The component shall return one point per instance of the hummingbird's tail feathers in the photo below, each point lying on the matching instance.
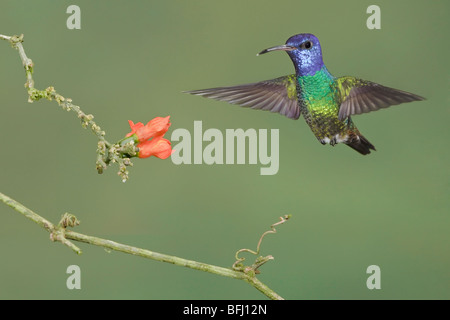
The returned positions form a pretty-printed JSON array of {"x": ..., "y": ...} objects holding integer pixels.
[
  {"x": 361, "y": 144},
  {"x": 276, "y": 95}
]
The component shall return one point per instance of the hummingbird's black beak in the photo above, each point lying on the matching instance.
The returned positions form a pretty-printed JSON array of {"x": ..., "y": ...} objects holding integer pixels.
[{"x": 283, "y": 47}]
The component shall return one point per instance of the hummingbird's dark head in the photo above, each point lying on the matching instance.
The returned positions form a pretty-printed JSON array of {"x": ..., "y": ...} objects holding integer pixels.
[{"x": 305, "y": 52}]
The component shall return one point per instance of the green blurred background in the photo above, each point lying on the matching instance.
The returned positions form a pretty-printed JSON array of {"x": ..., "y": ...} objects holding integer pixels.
[{"x": 131, "y": 61}]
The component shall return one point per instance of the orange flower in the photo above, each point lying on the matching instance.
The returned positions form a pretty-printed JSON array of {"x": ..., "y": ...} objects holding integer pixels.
[
  {"x": 149, "y": 138},
  {"x": 158, "y": 147},
  {"x": 156, "y": 127}
]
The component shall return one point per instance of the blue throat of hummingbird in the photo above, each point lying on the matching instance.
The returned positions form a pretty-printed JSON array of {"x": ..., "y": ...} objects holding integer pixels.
[{"x": 305, "y": 52}]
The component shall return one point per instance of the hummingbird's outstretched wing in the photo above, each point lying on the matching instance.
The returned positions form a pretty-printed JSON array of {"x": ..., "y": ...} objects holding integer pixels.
[
  {"x": 276, "y": 95},
  {"x": 360, "y": 96}
]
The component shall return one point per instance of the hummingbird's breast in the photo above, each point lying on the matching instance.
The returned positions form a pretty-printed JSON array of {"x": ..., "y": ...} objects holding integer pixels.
[{"x": 319, "y": 103}]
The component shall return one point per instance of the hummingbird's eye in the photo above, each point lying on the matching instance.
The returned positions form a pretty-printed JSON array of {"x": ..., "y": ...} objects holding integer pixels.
[{"x": 306, "y": 45}]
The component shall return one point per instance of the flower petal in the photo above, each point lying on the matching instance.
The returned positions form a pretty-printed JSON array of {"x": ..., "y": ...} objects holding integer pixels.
[
  {"x": 154, "y": 128},
  {"x": 134, "y": 127},
  {"x": 158, "y": 147}
]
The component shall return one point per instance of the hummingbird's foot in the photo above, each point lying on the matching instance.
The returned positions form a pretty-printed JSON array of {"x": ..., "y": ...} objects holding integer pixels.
[{"x": 334, "y": 140}]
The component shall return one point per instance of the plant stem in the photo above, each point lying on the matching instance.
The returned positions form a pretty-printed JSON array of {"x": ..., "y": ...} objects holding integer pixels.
[
  {"x": 61, "y": 234},
  {"x": 47, "y": 225},
  {"x": 103, "y": 157}
]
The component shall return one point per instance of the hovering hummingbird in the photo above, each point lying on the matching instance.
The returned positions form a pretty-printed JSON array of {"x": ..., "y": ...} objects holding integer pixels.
[{"x": 326, "y": 102}]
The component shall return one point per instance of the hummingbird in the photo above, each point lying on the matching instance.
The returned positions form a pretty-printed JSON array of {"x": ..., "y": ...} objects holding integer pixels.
[{"x": 325, "y": 101}]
